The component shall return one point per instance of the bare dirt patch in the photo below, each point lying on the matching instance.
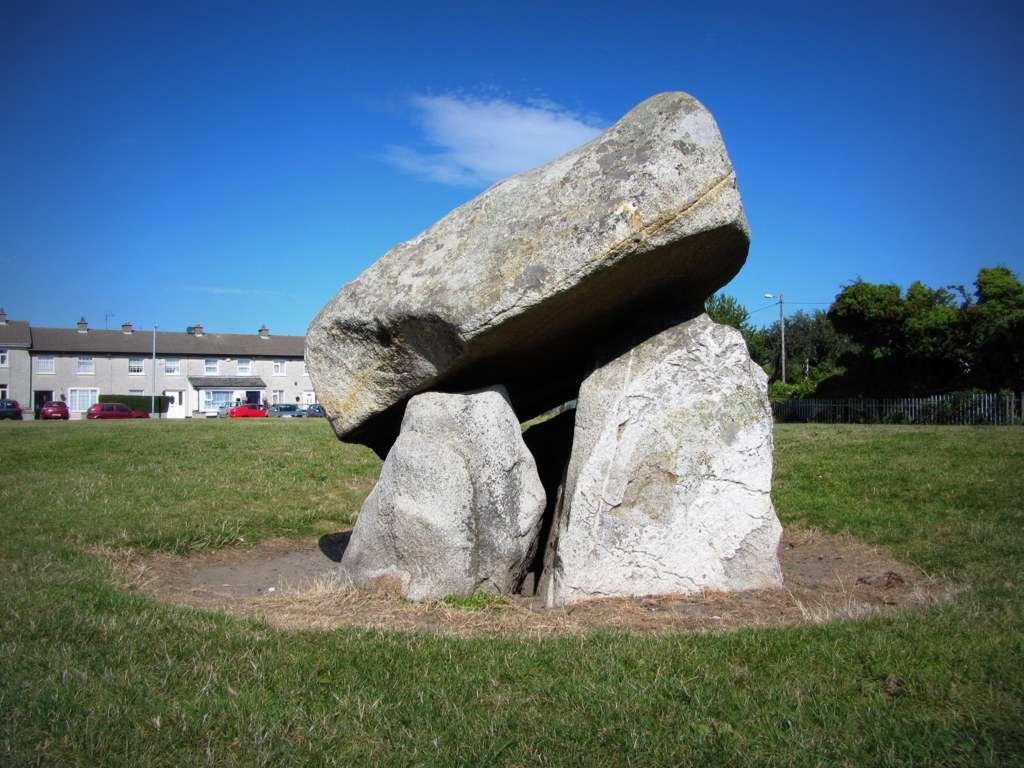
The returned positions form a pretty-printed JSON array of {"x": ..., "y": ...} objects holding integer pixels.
[{"x": 292, "y": 584}]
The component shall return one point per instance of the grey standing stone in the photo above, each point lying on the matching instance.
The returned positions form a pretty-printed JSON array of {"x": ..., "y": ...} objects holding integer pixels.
[
  {"x": 517, "y": 285},
  {"x": 458, "y": 505},
  {"x": 668, "y": 487}
]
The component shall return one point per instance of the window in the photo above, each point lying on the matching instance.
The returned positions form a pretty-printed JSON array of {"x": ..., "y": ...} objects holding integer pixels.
[
  {"x": 136, "y": 392},
  {"x": 280, "y": 367},
  {"x": 44, "y": 364},
  {"x": 86, "y": 364},
  {"x": 277, "y": 397},
  {"x": 172, "y": 366},
  {"x": 244, "y": 366},
  {"x": 136, "y": 366},
  {"x": 211, "y": 366},
  {"x": 215, "y": 398},
  {"x": 3, "y": 358},
  {"x": 79, "y": 399}
]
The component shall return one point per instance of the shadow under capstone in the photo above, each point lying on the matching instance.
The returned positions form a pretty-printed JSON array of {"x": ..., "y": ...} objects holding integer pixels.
[
  {"x": 333, "y": 545},
  {"x": 550, "y": 442}
]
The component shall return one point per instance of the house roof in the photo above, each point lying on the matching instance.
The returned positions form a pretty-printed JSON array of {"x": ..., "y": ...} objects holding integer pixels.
[
  {"x": 172, "y": 343},
  {"x": 15, "y": 333},
  {"x": 226, "y": 382}
]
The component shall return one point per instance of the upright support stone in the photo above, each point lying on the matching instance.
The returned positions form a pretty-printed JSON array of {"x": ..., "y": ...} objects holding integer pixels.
[
  {"x": 668, "y": 488},
  {"x": 458, "y": 505}
]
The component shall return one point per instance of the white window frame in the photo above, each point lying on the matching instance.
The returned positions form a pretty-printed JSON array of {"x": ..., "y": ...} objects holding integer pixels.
[
  {"x": 277, "y": 397},
  {"x": 172, "y": 370},
  {"x": 141, "y": 361},
  {"x": 247, "y": 370},
  {"x": 74, "y": 398},
  {"x": 206, "y": 366},
  {"x": 211, "y": 404},
  {"x": 82, "y": 370},
  {"x": 3, "y": 357},
  {"x": 280, "y": 367},
  {"x": 45, "y": 370},
  {"x": 136, "y": 392}
]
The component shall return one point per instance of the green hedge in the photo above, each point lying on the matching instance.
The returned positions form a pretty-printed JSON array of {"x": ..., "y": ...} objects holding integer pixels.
[{"x": 139, "y": 402}]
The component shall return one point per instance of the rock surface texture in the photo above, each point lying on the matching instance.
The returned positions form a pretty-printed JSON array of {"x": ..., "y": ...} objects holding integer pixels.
[
  {"x": 514, "y": 285},
  {"x": 668, "y": 487},
  {"x": 458, "y": 505}
]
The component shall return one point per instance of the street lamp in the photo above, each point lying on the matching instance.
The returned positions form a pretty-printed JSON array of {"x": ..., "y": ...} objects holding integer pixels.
[
  {"x": 152, "y": 397},
  {"x": 782, "y": 329}
]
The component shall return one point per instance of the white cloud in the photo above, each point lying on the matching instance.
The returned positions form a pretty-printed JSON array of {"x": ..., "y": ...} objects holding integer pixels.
[{"x": 477, "y": 141}]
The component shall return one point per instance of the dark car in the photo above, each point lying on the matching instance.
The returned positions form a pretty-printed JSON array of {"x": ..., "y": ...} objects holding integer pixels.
[
  {"x": 315, "y": 410},
  {"x": 10, "y": 409},
  {"x": 114, "y": 411},
  {"x": 54, "y": 409},
  {"x": 284, "y": 411}
]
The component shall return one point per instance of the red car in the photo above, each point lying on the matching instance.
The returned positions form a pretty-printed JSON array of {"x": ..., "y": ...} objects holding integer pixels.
[
  {"x": 114, "y": 411},
  {"x": 54, "y": 409},
  {"x": 248, "y": 411}
]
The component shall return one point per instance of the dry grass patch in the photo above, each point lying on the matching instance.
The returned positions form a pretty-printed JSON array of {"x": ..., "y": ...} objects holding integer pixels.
[{"x": 292, "y": 585}]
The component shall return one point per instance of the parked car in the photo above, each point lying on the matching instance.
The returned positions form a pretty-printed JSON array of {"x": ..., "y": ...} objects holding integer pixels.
[
  {"x": 10, "y": 409},
  {"x": 248, "y": 411},
  {"x": 316, "y": 410},
  {"x": 284, "y": 411},
  {"x": 114, "y": 411},
  {"x": 54, "y": 409}
]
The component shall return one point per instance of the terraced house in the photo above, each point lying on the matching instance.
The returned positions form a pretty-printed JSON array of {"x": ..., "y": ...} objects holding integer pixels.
[{"x": 197, "y": 370}]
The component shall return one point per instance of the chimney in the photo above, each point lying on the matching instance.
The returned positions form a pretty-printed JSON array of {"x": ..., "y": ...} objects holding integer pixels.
[
  {"x": 3, "y": 317},
  {"x": 264, "y": 332},
  {"x": 126, "y": 327},
  {"x": 196, "y": 330},
  {"x": 83, "y": 327}
]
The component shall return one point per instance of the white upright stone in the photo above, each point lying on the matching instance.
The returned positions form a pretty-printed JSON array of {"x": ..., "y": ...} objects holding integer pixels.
[
  {"x": 458, "y": 505},
  {"x": 668, "y": 488}
]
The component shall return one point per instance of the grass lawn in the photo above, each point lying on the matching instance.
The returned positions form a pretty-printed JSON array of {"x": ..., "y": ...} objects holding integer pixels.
[{"x": 93, "y": 675}]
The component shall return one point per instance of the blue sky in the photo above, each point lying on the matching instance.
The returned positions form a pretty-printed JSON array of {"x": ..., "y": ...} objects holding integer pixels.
[{"x": 236, "y": 164}]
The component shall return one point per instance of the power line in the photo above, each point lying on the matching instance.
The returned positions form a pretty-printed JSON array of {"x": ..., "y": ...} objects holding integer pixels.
[{"x": 775, "y": 304}]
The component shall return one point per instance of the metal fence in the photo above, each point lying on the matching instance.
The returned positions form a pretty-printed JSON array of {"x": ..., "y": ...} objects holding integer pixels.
[{"x": 960, "y": 408}]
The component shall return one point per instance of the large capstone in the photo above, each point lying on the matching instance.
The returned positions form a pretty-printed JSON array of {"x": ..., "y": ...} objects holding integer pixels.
[
  {"x": 458, "y": 506},
  {"x": 518, "y": 284},
  {"x": 668, "y": 487}
]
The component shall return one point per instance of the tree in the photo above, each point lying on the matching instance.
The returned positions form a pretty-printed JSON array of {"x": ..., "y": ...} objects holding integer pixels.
[
  {"x": 994, "y": 326},
  {"x": 869, "y": 313},
  {"x": 813, "y": 350},
  {"x": 726, "y": 310},
  {"x": 924, "y": 342}
]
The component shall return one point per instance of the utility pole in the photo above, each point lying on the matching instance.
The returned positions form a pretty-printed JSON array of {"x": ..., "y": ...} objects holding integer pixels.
[
  {"x": 152, "y": 397},
  {"x": 782, "y": 329}
]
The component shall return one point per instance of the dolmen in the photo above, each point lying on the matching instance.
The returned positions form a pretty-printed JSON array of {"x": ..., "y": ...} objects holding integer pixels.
[{"x": 567, "y": 300}]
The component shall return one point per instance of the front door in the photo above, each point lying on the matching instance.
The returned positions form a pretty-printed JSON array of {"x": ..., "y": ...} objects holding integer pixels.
[
  {"x": 253, "y": 396},
  {"x": 39, "y": 397},
  {"x": 175, "y": 404}
]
